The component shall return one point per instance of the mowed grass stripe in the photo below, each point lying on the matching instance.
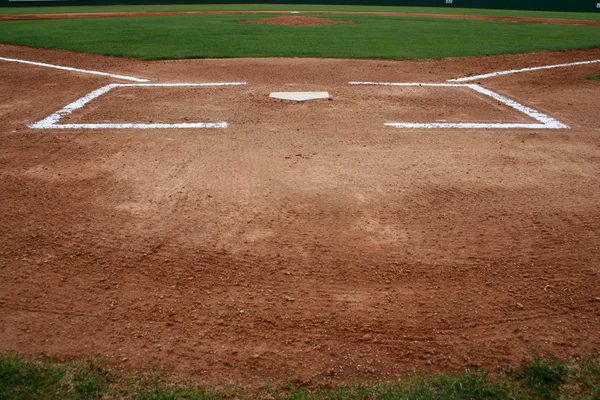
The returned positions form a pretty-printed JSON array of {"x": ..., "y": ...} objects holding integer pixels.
[
  {"x": 304, "y": 7},
  {"x": 222, "y": 36}
]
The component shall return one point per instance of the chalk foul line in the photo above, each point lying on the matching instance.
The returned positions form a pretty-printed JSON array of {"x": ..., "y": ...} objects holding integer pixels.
[
  {"x": 516, "y": 71},
  {"x": 84, "y": 71},
  {"x": 52, "y": 122},
  {"x": 545, "y": 121}
]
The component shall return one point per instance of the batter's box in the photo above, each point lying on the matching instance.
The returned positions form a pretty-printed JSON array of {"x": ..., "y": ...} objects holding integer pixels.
[
  {"x": 53, "y": 121},
  {"x": 544, "y": 121}
]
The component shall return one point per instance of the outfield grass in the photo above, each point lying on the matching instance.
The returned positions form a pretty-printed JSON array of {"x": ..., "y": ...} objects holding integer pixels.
[
  {"x": 594, "y": 77},
  {"x": 543, "y": 378},
  {"x": 222, "y": 36},
  {"x": 304, "y": 7}
]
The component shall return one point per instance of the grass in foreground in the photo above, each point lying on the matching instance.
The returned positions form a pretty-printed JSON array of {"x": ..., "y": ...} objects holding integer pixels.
[
  {"x": 222, "y": 36},
  {"x": 543, "y": 378},
  {"x": 594, "y": 77},
  {"x": 594, "y": 16}
]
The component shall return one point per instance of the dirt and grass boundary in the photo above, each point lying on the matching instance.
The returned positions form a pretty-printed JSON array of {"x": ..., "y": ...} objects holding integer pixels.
[
  {"x": 304, "y": 7},
  {"x": 543, "y": 377}
]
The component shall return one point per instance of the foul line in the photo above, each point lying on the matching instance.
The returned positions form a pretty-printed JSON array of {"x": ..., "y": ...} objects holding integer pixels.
[
  {"x": 546, "y": 122},
  {"x": 516, "y": 71},
  {"x": 84, "y": 71},
  {"x": 51, "y": 122}
]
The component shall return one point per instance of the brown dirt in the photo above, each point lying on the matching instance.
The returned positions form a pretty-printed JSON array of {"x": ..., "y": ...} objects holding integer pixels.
[
  {"x": 554, "y": 21},
  {"x": 297, "y": 21},
  {"x": 307, "y": 241}
]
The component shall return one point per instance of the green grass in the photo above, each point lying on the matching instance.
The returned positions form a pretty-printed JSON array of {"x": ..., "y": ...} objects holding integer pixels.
[
  {"x": 594, "y": 77},
  {"x": 543, "y": 378},
  {"x": 221, "y": 36},
  {"x": 304, "y": 7}
]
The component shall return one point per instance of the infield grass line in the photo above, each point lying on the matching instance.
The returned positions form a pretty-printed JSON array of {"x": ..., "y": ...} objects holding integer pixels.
[
  {"x": 517, "y": 71},
  {"x": 83, "y": 71},
  {"x": 546, "y": 122}
]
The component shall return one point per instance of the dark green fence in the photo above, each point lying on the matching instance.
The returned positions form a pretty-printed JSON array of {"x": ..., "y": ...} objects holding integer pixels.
[{"x": 541, "y": 5}]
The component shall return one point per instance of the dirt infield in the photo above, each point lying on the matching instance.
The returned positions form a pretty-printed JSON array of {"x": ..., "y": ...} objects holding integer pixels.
[
  {"x": 554, "y": 21},
  {"x": 307, "y": 241}
]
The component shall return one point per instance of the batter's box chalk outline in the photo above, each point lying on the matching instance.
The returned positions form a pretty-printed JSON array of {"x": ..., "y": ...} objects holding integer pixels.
[
  {"x": 545, "y": 121},
  {"x": 52, "y": 122}
]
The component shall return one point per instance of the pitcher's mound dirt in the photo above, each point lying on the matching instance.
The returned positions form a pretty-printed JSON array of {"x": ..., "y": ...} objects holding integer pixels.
[{"x": 297, "y": 21}]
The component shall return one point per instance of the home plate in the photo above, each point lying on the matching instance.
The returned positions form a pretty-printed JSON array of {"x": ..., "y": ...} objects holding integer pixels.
[{"x": 299, "y": 96}]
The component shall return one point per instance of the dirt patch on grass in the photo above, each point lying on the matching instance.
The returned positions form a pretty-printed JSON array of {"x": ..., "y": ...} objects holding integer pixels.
[
  {"x": 297, "y": 21},
  {"x": 307, "y": 241}
]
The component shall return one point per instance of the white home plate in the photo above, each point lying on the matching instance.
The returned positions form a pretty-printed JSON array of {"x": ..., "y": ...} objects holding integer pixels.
[{"x": 299, "y": 96}]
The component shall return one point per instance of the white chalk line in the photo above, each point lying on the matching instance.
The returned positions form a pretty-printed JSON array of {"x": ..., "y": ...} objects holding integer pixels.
[
  {"x": 84, "y": 71},
  {"x": 53, "y": 119},
  {"x": 197, "y": 125},
  {"x": 408, "y": 84},
  {"x": 51, "y": 122},
  {"x": 407, "y": 125},
  {"x": 182, "y": 84},
  {"x": 547, "y": 122},
  {"x": 516, "y": 71}
]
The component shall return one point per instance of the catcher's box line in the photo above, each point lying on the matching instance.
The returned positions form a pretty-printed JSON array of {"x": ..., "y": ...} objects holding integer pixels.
[
  {"x": 51, "y": 122},
  {"x": 546, "y": 122},
  {"x": 516, "y": 71},
  {"x": 84, "y": 71}
]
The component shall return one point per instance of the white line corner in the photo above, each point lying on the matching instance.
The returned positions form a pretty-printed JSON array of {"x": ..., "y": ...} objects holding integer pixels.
[
  {"x": 52, "y": 122},
  {"x": 544, "y": 121}
]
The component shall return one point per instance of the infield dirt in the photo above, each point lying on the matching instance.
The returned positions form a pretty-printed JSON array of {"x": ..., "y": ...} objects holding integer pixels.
[{"x": 307, "y": 241}]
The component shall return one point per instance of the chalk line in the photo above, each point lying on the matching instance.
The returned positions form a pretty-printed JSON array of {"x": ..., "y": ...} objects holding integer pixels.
[
  {"x": 516, "y": 71},
  {"x": 549, "y": 122},
  {"x": 182, "y": 84},
  {"x": 407, "y": 125},
  {"x": 84, "y": 71},
  {"x": 51, "y": 122},
  {"x": 546, "y": 122},
  {"x": 197, "y": 125},
  {"x": 53, "y": 119},
  {"x": 408, "y": 84}
]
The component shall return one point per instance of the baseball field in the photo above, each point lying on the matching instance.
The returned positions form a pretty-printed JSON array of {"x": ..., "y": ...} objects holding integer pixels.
[{"x": 438, "y": 211}]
